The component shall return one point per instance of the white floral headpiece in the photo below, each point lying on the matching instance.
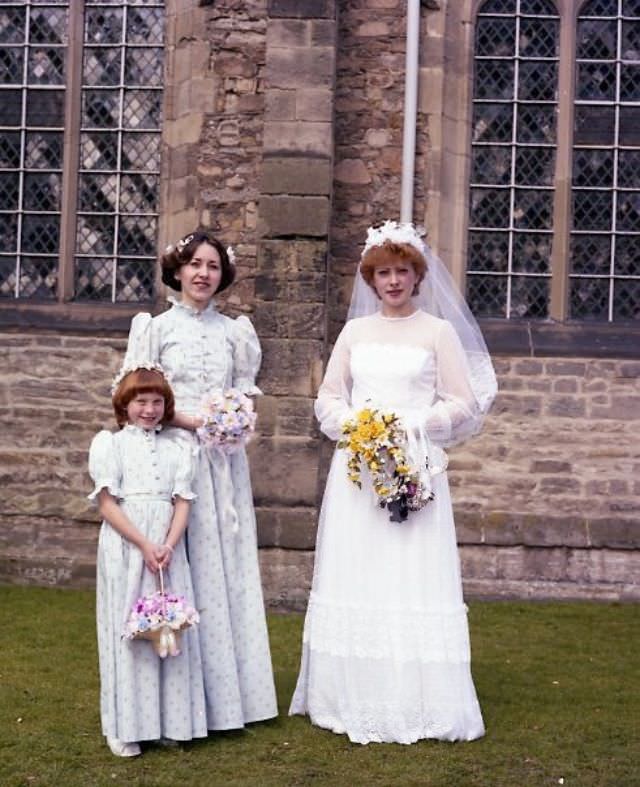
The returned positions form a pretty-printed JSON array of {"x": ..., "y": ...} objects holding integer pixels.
[
  {"x": 395, "y": 232},
  {"x": 231, "y": 255},
  {"x": 152, "y": 367},
  {"x": 180, "y": 245}
]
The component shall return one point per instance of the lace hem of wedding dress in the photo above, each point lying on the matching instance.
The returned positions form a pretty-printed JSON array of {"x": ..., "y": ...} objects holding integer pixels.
[
  {"x": 378, "y": 701},
  {"x": 397, "y": 633}
]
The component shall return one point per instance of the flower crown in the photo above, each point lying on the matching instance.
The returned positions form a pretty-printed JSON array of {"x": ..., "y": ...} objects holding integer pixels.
[
  {"x": 395, "y": 232},
  {"x": 151, "y": 367},
  {"x": 182, "y": 244}
]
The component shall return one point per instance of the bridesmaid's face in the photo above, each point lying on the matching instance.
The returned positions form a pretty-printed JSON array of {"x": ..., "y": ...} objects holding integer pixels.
[
  {"x": 200, "y": 277},
  {"x": 146, "y": 410},
  {"x": 394, "y": 284}
]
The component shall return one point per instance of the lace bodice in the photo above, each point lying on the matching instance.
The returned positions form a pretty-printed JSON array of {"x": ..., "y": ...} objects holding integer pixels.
[
  {"x": 201, "y": 351},
  {"x": 138, "y": 463},
  {"x": 414, "y": 366}
]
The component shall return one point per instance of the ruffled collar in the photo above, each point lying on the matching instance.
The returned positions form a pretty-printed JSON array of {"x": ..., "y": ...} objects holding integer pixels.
[
  {"x": 210, "y": 308},
  {"x": 139, "y": 430}
]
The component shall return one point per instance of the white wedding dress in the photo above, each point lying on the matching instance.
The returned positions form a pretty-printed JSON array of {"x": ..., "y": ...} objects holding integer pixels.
[{"x": 386, "y": 654}]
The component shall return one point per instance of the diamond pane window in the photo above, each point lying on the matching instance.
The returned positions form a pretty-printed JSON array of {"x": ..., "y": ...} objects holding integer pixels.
[
  {"x": 33, "y": 62},
  {"x": 604, "y": 274},
  {"x": 513, "y": 158},
  {"x": 80, "y": 119},
  {"x": 119, "y": 151}
]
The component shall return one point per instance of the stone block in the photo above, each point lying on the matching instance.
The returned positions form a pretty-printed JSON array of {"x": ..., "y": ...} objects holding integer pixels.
[
  {"x": 292, "y": 256},
  {"x": 314, "y": 104},
  {"x": 301, "y": 9},
  {"x": 627, "y": 407},
  {"x": 323, "y": 32},
  {"x": 373, "y": 30},
  {"x": 287, "y": 33},
  {"x": 183, "y": 131},
  {"x": 288, "y": 528},
  {"x": 286, "y": 578},
  {"x": 305, "y": 216},
  {"x": 280, "y": 104},
  {"x": 284, "y": 471},
  {"x": 615, "y": 533},
  {"x": 234, "y": 64},
  {"x": 312, "y": 138},
  {"x": 296, "y": 175},
  {"x": 352, "y": 171},
  {"x": 290, "y": 366},
  {"x": 300, "y": 67}
]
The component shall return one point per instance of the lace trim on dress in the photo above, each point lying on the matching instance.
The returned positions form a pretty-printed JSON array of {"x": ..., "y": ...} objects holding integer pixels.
[
  {"x": 210, "y": 307},
  {"x": 104, "y": 483},
  {"x": 398, "y": 634}
]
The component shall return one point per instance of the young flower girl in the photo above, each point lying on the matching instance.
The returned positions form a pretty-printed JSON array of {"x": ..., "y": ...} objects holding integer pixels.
[{"x": 142, "y": 476}]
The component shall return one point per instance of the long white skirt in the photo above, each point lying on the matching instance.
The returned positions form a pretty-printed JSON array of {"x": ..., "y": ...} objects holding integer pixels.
[{"x": 386, "y": 654}]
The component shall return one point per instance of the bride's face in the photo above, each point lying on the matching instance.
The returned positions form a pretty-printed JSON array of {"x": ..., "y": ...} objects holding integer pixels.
[{"x": 394, "y": 283}]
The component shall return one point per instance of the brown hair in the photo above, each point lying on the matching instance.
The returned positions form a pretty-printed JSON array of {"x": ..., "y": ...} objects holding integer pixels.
[
  {"x": 183, "y": 252},
  {"x": 141, "y": 381},
  {"x": 388, "y": 253}
]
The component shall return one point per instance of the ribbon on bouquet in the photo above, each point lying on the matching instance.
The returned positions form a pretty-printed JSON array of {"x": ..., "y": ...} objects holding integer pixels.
[
  {"x": 221, "y": 473},
  {"x": 430, "y": 459}
]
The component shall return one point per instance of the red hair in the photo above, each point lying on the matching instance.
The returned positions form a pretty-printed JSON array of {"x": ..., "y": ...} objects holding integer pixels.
[
  {"x": 388, "y": 253},
  {"x": 141, "y": 381}
]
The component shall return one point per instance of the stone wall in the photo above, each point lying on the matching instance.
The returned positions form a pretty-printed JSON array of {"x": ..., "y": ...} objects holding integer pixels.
[{"x": 547, "y": 498}]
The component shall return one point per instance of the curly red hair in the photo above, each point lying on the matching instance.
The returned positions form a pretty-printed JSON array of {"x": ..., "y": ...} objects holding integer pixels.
[{"x": 388, "y": 253}]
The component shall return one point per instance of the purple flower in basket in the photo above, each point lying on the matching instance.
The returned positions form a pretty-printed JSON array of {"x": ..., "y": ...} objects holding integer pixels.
[{"x": 160, "y": 617}]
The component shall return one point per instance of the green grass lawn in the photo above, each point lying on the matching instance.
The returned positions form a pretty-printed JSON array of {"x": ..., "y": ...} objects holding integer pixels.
[{"x": 558, "y": 684}]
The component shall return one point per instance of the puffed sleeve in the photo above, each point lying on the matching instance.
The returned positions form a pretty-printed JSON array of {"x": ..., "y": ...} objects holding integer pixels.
[
  {"x": 247, "y": 356},
  {"x": 455, "y": 415},
  {"x": 104, "y": 467},
  {"x": 142, "y": 345},
  {"x": 186, "y": 453},
  {"x": 333, "y": 404}
]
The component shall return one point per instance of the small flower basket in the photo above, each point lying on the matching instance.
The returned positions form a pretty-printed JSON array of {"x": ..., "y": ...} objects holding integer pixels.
[
  {"x": 160, "y": 617},
  {"x": 229, "y": 420},
  {"x": 378, "y": 442}
]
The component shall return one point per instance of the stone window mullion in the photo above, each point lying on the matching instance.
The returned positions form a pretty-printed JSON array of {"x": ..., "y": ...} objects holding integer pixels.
[
  {"x": 558, "y": 307},
  {"x": 71, "y": 147}
]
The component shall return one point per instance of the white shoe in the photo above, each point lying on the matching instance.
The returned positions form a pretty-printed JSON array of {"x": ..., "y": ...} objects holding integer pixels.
[{"x": 122, "y": 749}]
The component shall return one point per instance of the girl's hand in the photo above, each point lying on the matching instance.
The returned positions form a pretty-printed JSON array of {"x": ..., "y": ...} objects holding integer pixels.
[
  {"x": 163, "y": 554},
  {"x": 149, "y": 555}
]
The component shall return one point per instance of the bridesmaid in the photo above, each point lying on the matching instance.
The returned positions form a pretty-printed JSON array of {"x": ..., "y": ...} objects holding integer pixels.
[{"x": 202, "y": 351}]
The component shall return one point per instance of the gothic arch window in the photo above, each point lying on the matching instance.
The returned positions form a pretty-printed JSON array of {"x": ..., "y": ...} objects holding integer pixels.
[
  {"x": 554, "y": 208},
  {"x": 80, "y": 117}
]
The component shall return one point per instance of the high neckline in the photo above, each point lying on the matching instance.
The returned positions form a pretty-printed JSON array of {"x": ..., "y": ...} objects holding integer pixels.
[
  {"x": 398, "y": 319},
  {"x": 133, "y": 428},
  {"x": 210, "y": 307}
]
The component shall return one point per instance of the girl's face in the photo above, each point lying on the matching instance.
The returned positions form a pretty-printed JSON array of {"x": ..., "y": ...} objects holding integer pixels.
[
  {"x": 146, "y": 410},
  {"x": 394, "y": 283},
  {"x": 200, "y": 277}
]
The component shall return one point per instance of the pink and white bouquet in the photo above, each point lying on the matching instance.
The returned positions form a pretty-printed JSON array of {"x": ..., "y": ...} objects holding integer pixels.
[
  {"x": 229, "y": 420},
  {"x": 160, "y": 617}
]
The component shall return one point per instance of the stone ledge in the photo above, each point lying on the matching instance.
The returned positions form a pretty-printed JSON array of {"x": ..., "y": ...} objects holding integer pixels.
[
  {"x": 301, "y": 9},
  {"x": 502, "y": 528}
]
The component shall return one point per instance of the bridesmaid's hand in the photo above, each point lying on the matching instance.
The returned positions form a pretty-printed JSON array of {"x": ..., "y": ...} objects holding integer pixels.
[
  {"x": 163, "y": 555},
  {"x": 149, "y": 555}
]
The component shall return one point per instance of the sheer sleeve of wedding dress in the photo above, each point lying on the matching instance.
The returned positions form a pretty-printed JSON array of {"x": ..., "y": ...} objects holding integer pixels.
[{"x": 413, "y": 364}]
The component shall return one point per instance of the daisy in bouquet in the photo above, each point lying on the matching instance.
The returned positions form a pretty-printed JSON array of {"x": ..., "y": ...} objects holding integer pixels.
[
  {"x": 378, "y": 442},
  {"x": 160, "y": 617},
  {"x": 229, "y": 420}
]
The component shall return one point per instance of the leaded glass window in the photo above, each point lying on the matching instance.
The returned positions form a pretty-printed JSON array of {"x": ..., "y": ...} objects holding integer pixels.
[
  {"x": 604, "y": 260},
  {"x": 80, "y": 117},
  {"x": 513, "y": 158}
]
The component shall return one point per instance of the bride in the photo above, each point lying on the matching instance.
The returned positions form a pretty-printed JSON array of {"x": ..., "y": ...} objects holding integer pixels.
[{"x": 386, "y": 652}]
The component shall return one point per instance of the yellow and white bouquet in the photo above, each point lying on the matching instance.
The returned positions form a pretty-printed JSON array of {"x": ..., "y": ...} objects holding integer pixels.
[{"x": 377, "y": 442}]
